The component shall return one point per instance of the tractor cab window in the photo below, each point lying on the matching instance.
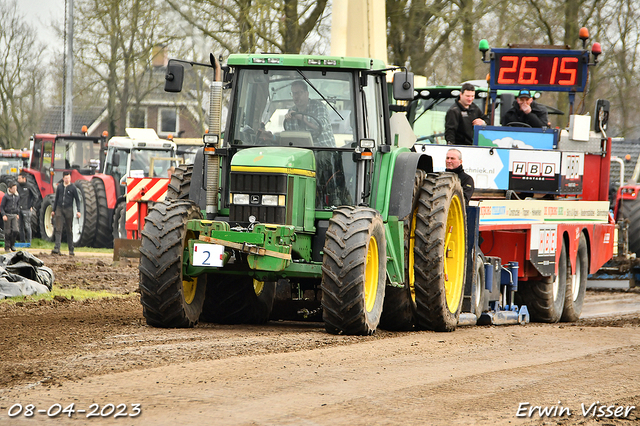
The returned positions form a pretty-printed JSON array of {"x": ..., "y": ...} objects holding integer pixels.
[
  {"x": 278, "y": 107},
  {"x": 150, "y": 162},
  {"x": 121, "y": 169},
  {"x": 77, "y": 154},
  {"x": 274, "y": 107}
]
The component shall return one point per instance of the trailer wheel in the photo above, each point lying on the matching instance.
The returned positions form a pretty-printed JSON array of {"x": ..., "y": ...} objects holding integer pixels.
[
  {"x": 180, "y": 184},
  {"x": 169, "y": 298},
  {"x": 354, "y": 271},
  {"x": 237, "y": 300},
  {"x": 46, "y": 222},
  {"x": 440, "y": 253},
  {"x": 631, "y": 211},
  {"x": 545, "y": 298},
  {"x": 84, "y": 228},
  {"x": 474, "y": 303},
  {"x": 104, "y": 237},
  {"x": 119, "y": 221},
  {"x": 577, "y": 284}
]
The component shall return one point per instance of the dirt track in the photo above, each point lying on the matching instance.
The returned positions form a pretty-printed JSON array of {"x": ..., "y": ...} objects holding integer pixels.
[{"x": 287, "y": 373}]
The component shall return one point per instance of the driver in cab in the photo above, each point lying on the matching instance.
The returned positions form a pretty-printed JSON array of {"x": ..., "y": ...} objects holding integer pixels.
[
  {"x": 526, "y": 111},
  {"x": 309, "y": 115}
]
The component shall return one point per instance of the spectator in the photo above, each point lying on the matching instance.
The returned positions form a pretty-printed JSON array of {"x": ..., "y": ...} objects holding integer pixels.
[
  {"x": 10, "y": 210},
  {"x": 27, "y": 198},
  {"x": 462, "y": 116},
  {"x": 62, "y": 211},
  {"x": 453, "y": 164},
  {"x": 526, "y": 110}
]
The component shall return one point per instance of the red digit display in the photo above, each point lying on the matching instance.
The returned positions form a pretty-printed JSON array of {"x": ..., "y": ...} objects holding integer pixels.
[{"x": 545, "y": 70}]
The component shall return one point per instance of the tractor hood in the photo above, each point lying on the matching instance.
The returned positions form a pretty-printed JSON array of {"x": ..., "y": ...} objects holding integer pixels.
[{"x": 289, "y": 160}]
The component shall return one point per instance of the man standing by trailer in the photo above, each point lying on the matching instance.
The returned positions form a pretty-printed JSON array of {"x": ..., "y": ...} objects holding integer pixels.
[
  {"x": 62, "y": 212},
  {"x": 10, "y": 210}
]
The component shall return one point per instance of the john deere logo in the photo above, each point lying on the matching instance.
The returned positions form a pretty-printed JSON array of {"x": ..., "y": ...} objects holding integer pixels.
[{"x": 255, "y": 199}]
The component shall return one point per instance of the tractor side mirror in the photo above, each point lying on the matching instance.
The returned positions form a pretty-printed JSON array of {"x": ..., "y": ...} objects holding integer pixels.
[
  {"x": 116, "y": 159},
  {"x": 403, "y": 86},
  {"x": 174, "y": 77}
]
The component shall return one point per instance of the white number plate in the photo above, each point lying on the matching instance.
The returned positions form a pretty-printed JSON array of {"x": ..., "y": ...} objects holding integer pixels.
[{"x": 207, "y": 254}]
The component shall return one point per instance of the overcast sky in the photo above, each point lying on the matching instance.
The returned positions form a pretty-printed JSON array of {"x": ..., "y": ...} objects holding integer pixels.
[{"x": 40, "y": 14}]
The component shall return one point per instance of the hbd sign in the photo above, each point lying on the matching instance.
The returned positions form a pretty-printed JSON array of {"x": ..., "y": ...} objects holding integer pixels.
[{"x": 534, "y": 171}]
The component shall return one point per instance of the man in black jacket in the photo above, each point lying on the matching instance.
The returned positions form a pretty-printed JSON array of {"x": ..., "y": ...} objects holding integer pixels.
[
  {"x": 526, "y": 110},
  {"x": 10, "y": 210},
  {"x": 462, "y": 116},
  {"x": 62, "y": 211},
  {"x": 27, "y": 199},
  {"x": 453, "y": 163}
]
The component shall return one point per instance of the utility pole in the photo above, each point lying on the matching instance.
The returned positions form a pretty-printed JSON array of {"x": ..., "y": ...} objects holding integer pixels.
[{"x": 68, "y": 78}]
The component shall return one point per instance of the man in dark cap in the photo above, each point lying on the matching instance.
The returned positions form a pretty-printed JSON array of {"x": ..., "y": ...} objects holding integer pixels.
[
  {"x": 27, "y": 199},
  {"x": 526, "y": 110},
  {"x": 62, "y": 211}
]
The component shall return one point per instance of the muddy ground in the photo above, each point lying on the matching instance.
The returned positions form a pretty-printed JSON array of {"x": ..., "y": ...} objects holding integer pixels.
[{"x": 288, "y": 373}]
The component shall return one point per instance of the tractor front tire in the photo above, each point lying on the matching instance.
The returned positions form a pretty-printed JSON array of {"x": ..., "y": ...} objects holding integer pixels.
[
  {"x": 118, "y": 226},
  {"x": 46, "y": 219},
  {"x": 545, "y": 298},
  {"x": 237, "y": 300},
  {"x": 439, "y": 254},
  {"x": 168, "y": 297},
  {"x": 354, "y": 271}
]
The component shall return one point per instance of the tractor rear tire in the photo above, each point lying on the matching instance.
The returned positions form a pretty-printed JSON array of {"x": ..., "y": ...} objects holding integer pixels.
[
  {"x": 439, "y": 254},
  {"x": 180, "y": 184},
  {"x": 104, "y": 237},
  {"x": 237, "y": 300},
  {"x": 118, "y": 226},
  {"x": 399, "y": 309},
  {"x": 631, "y": 211},
  {"x": 169, "y": 298},
  {"x": 88, "y": 215},
  {"x": 354, "y": 271},
  {"x": 577, "y": 284},
  {"x": 46, "y": 223},
  {"x": 545, "y": 298}
]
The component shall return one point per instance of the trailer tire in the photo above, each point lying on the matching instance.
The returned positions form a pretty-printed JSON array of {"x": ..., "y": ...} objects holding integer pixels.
[
  {"x": 545, "y": 298},
  {"x": 577, "y": 284},
  {"x": 169, "y": 298},
  {"x": 84, "y": 232},
  {"x": 354, "y": 273},
  {"x": 104, "y": 237},
  {"x": 180, "y": 184},
  {"x": 439, "y": 258},
  {"x": 47, "y": 232},
  {"x": 237, "y": 300},
  {"x": 118, "y": 226},
  {"x": 631, "y": 211}
]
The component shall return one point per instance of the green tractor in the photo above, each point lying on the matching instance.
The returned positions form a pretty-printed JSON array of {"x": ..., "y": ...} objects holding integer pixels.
[{"x": 314, "y": 206}]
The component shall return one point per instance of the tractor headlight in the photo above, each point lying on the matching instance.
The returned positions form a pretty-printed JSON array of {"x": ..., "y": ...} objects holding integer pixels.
[
  {"x": 269, "y": 200},
  {"x": 240, "y": 198}
]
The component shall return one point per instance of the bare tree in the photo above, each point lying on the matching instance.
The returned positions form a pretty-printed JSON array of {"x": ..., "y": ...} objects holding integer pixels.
[
  {"x": 245, "y": 26},
  {"x": 21, "y": 75}
]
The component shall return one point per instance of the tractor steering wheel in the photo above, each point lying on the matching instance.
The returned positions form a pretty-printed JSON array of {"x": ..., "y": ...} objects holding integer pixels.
[
  {"x": 314, "y": 132},
  {"x": 518, "y": 124}
]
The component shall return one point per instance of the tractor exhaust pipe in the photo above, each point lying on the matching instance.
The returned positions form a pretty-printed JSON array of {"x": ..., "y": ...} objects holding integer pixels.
[{"x": 213, "y": 160}]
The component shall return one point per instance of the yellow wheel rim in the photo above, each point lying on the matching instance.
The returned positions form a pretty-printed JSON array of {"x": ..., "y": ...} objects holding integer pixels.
[
  {"x": 454, "y": 249},
  {"x": 189, "y": 284},
  {"x": 258, "y": 286},
  {"x": 371, "y": 275},
  {"x": 411, "y": 260}
]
